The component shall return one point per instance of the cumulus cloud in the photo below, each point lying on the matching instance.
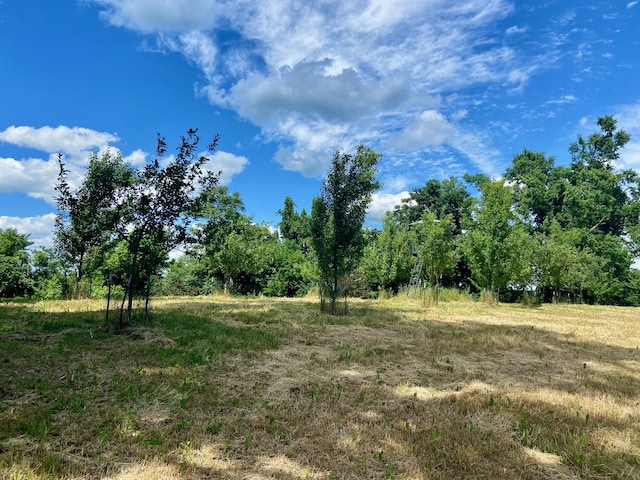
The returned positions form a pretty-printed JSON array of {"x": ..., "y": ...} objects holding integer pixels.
[
  {"x": 34, "y": 176},
  {"x": 226, "y": 163},
  {"x": 40, "y": 229},
  {"x": 429, "y": 128},
  {"x": 382, "y": 202},
  {"x": 368, "y": 63},
  {"x": 71, "y": 140},
  {"x": 37, "y": 177}
]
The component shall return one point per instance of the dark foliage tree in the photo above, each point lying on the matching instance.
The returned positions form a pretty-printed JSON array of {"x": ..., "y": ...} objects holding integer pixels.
[
  {"x": 440, "y": 198},
  {"x": 161, "y": 204},
  {"x": 538, "y": 188},
  {"x": 88, "y": 217},
  {"x": 337, "y": 217}
]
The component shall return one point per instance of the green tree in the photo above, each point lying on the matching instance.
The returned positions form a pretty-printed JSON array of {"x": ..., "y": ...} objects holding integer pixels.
[
  {"x": 538, "y": 188},
  {"x": 386, "y": 263},
  {"x": 337, "y": 217},
  {"x": 292, "y": 272},
  {"x": 161, "y": 205},
  {"x": 48, "y": 274},
  {"x": 436, "y": 247},
  {"x": 488, "y": 245},
  {"x": 87, "y": 217},
  {"x": 15, "y": 268},
  {"x": 293, "y": 226},
  {"x": 441, "y": 198}
]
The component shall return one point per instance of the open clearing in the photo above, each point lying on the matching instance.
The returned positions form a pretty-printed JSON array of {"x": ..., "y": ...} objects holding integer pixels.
[{"x": 238, "y": 388}]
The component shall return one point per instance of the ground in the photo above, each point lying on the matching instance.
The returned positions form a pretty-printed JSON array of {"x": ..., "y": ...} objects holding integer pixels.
[{"x": 238, "y": 388}]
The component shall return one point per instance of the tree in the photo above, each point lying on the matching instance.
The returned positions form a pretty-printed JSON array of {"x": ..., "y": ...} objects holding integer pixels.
[
  {"x": 337, "y": 217},
  {"x": 436, "y": 247},
  {"x": 386, "y": 263},
  {"x": 538, "y": 188},
  {"x": 292, "y": 272},
  {"x": 15, "y": 269},
  {"x": 87, "y": 218},
  {"x": 48, "y": 274},
  {"x": 487, "y": 244},
  {"x": 441, "y": 198},
  {"x": 161, "y": 204}
]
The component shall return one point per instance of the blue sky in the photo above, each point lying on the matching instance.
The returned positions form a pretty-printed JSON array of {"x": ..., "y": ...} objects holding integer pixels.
[{"x": 438, "y": 87}]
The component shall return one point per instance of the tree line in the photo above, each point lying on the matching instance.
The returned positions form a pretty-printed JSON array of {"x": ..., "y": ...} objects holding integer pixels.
[{"x": 541, "y": 232}]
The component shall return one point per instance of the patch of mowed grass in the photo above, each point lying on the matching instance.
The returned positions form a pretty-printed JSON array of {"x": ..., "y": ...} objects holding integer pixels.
[
  {"x": 246, "y": 387},
  {"x": 66, "y": 381}
]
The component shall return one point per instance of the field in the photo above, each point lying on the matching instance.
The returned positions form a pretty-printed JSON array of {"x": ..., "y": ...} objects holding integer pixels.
[{"x": 239, "y": 388}]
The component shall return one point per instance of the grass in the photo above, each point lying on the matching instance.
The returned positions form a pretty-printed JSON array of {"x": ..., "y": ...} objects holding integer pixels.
[{"x": 238, "y": 388}]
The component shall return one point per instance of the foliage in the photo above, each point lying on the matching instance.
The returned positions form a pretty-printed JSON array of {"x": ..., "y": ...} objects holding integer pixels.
[
  {"x": 292, "y": 272},
  {"x": 49, "y": 275},
  {"x": 435, "y": 243},
  {"x": 15, "y": 271},
  {"x": 386, "y": 263},
  {"x": 489, "y": 244},
  {"x": 87, "y": 218},
  {"x": 293, "y": 226},
  {"x": 338, "y": 214}
]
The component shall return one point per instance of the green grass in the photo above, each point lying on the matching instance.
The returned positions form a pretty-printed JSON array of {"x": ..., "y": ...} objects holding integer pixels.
[{"x": 270, "y": 388}]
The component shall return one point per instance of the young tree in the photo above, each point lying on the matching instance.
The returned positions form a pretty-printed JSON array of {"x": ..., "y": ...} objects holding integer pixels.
[
  {"x": 161, "y": 205},
  {"x": 87, "y": 218},
  {"x": 487, "y": 244},
  {"x": 386, "y": 263},
  {"x": 436, "y": 247},
  {"x": 337, "y": 217},
  {"x": 15, "y": 269}
]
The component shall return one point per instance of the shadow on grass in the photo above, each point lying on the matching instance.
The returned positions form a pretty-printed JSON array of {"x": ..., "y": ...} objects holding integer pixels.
[{"x": 461, "y": 400}]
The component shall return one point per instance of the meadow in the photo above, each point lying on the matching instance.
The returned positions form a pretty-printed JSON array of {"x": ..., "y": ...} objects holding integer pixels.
[{"x": 253, "y": 388}]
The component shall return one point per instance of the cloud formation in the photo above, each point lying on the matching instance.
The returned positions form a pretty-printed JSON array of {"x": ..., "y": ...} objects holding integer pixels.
[
  {"x": 40, "y": 229},
  {"x": 316, "y": 77},
  {"x": 62, "y": 139},
  {"x": 37, "y": 177}
]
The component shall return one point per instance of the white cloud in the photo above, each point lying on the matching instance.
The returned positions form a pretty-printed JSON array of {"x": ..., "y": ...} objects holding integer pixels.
[
  {"x": 628, "y": 118},
  {"x": 37, "y": 177},
  {"x": 136, "y": 158},
  {"x": 196, "y": 46},
  {"x": 308, "y": 162},
  {"x": 322, "y": 76},
  {"x": 631, "y": 4},
  {"x": 40, "y": 228},
  {"x": 382, "y": 202},
  {"x": 429, "y": 128},
  {"x": 62, "y": 139},
  {"x": 563, "y": 99},
  {"x": 34, "y": 176},
  {"x": 160, "y": 15},
  {"x": 312, "y": 91},
  {"x": 227, "y": 163},
  {"x": 515, "y": 29}
]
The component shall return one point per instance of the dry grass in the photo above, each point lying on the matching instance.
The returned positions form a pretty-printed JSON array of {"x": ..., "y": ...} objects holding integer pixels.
[{"x": 273, "y": 389}]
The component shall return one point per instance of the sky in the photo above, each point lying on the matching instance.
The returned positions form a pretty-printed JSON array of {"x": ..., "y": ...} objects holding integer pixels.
[{"x": 439, "y": 88}]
